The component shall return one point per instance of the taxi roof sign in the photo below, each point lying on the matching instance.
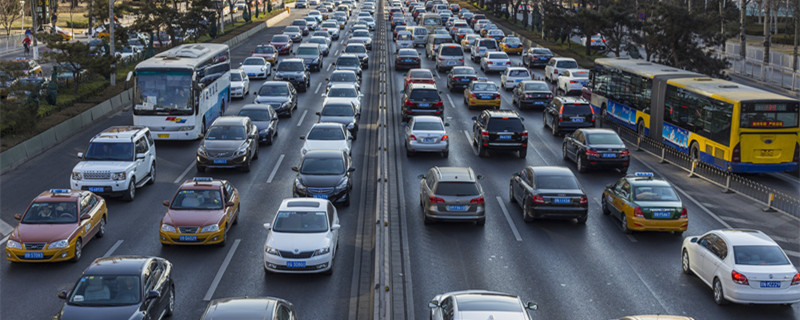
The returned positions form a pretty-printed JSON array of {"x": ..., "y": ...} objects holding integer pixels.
[
  {"x": 644, "y": 174},
  {"x": 60, "y": 191},
  {"x": 202, "y": 179}
]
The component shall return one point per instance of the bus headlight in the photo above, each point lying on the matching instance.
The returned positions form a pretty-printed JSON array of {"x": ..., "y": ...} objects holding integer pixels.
[{"x": 186, "y": 128}]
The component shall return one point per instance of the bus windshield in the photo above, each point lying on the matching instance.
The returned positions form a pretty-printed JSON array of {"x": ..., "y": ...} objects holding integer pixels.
[{"x": 163, "y": 92}]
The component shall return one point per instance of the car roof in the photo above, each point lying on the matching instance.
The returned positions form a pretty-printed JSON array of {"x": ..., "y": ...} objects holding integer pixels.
[
  {"x": 421, "y": 86},
  {"x": 327, "y": 125},
  {"x": 597, "y": 131},
  {"x": 310, "y": 45},
  {"x": 291, "y": 60},
  {"x": 502, "y": 113},
  {"x": 745, "y": 237},
  {"x": 551, "y": 170},
  {"x": 253, "y": 106},
  {"x": 230, "y": 308},
  {"x": 343, "y": 85},
  {"x": 59, "y": 195},
  {"x": 201, "y": 183},
  {"x": 427, "y": 119},
  {"x": 562, "y": 59},
  {"x": 117, "y": 133},
  {"x": 571, "y": 100},
  {"x": 307, "y": 203},
  {"x": 324, "y": 154},
  {"x": 230, "y": 120},
  {"x": 119, "y": 265},
  {"x": 453, "y": 174}
]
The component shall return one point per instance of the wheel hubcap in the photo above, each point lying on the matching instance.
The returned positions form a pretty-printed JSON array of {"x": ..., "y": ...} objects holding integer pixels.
[
  {"x": 685, "y": 262},
  {"x": 624, "y": 223},
  {"x": 717, "y": 291}
]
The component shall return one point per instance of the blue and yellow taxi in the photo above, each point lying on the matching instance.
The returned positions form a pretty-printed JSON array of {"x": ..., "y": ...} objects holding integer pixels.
[
  {"x": 201, "y": 212},
  {"x": 482, "y": 93},
  {"x": 56, "y": 226},
  {"x": 643, "y": 202},
  {"x": 511, "y": 45}
]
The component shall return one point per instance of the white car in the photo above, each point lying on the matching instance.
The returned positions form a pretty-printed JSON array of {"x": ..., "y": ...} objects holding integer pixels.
[
  {"x": 256, "y": 67},
  {"x": 315, "y": 14},
  {"x": 426, "y": 134},
  {"x": 513, "y": 76},
  {"x": 348, "y": 77},
  {"x": 479, "y": 304},
  {"x": 332, "y": 28},
  {"x": 596, "y": 41},
  {"x": 344, "y": 92},
  {"x": 324, "y": 44},
  {"x": 369, "y": 21},
  {"x": 327, "y": 136},
  {"x": 240, "y": 83},
  {"x": 556, "y": 65},
  {"x": 302, "y": 237},
  {"x": 742, "y": 266},
  {"x": 572, "y": 81},
  {"x": 495, "y": 61},
  {"x": 362, "y": 36}
]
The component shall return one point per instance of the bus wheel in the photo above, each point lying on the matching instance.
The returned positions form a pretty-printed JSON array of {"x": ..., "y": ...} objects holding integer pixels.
[
  {"x": 640, "y": 128},
  {"x": 694, "y": 152}
]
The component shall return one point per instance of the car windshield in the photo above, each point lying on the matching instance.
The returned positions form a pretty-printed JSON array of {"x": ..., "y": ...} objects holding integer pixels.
[
  {"x": 293, "y": 29},
  {"x": 519, "y": 73},
  {"x": 299, "y": 23},
  {"x": 280, "y": 38},
  {"x": 226, "y": 133},
  {"x": 355, "y": 49},
  {"x": 347, "y": 62},
  {"x": 197, "y": 200},
  {"x": 576, "y": 109},
  {"x": 323, "y": 166},
  {"x": 255, "y": 114},
  {"x": 428, "y": 126},
  {"x": 264, "y": 49},
  {"x": 512, "y": 40},
  {"x": 654, "y": 193},
  {"x": 273, "y": 91},
  {"x": 542, "y": 51},
  {"x": 254, "y": 62},
  {"x": 326, "y": 133},
  {"x": 555, "y": 181},
  {"x": 363, "y": 34},
  {"x": 424, "y": 94},
  {"x": 536, "y": 86},
  {"x": 301, "y": 222},
  {"x": 510, "y": 124},
  {"x": 291, "y": 66},
  {"x": 408, "y": 53},
  {"x": 759, "y": 255},
  {"x": 343, "y": 93},
  {"x": 235, "y": 76},
  {"x": 109, "y": 151},
  {"x": 498, "y": 55},
  {"x": 484, "y": 86},
  {"x": 464, "y": 71},
  {"x": 106, "y": 290},
  {"x": 451, "y": 51},
  {"x": 478, "y": 303},
  {"x": 343, "y": 77},
  {"x": 457, "y": 189},
  {"x": 307, "y": 51},
  {"x": 603, "y": 138},
  {"x": 51, "y": 213},
  {"x": 567, "y": 64},
  {"x": 338, "y": 110}
]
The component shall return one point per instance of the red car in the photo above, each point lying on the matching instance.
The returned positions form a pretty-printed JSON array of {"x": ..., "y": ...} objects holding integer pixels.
[
  {"x": 418, "y": 76},
  {"x": 282, "y": 42}
]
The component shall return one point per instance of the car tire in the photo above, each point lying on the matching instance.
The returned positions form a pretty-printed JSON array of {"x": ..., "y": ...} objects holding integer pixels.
[
  {"x": 130, "y": 194},
  {"x": 623, "y": 170},
  {"x": 685, "y": 266},
  {"x": 347, "y": 200},
  {"x": 624, "y": 224},
  {"x": 152, "y": 178},
  {"x": 554, "y": 128},
  {"x": 78, "y": 251},
  {"x": 604, "y": 206},
  {"x": 582, "y": 219},
  {"x": 511, "y": 193},
  {"x": 481, "y": 222},
  {"x": 101, "y": 229},
  {"x": 523, "y": 153},
  {"x": 564, "y": 155},
  {"x": 171, "y": 303},
  {"x": 544, "y": 120},
  {"x": 425, "y": 218},
  {"x": 482, "y": 152},
  {"x": 255, "y": 156},
  {"x": 581, "y": 166},
  {"x": 446, "y": 153},
  {"x": 525, "y": 216},
  {"x": 719, "y": 293},
  {"x": 246, "y": 166}
]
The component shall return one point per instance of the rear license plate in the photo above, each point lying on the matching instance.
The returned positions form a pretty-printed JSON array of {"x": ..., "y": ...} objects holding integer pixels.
[
  {"x": 321, "y": 196},
  {"x": 407, "y": 60},
  {"x": 451, "y": 63},
  {"x": 661, "y": 214},
  {"x": 187, "y": 238},
  {"x": 465, "y": 80},
  {"x": 456, "y": 208},
  {"x": 538, "y": 102},
  {"x": 427, "y": 140},
  {"x": 504, "y": 137},
  {"x": 561, "y": 200},
  {"x": 577, "y": 119},
  {"x": 584, "y": 83},
  {"x": 765, "y": 284},
  {"x": 96, "y": 189},
  {"x": 424, "y": 104},
  {"x": 220, "y": 161},
  {"x": 163, "y": 136},
  {"x": 609, "y": 155},
  {"x": 518, "y": 80},
  {"x": 39, "y": 255},
  {"x": 767, "y": 152},
  {"x": 486, "y": 97},
  {"x": 295, "y": 264}
]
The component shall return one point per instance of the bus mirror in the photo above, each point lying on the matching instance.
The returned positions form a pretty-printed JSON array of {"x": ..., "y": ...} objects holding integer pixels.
[{"x": 130, "y": 75}]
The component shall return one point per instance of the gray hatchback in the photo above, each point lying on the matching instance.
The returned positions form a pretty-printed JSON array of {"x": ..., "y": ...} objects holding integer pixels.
[{"x": 451, "y": 193}]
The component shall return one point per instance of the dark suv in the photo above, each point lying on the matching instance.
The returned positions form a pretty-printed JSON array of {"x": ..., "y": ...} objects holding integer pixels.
[
  {"x": 295, "y": 72},
  {"x": 499, "y": 129},
  {"x": 568, "y": 114},
  {"x": 422, "y": 99}
]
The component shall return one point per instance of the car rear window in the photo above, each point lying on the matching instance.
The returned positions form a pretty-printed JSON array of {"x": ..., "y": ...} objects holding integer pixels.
[
  {"x": 490, "y": 44},
  {"x": 542, "y": 51},
  {"x": 452, "y": 51},
  {"x": 420, "y": 74},
  {"x": 555, "y": 181},
  {"x": 654, "y": 193},
  {"x": 759, "y": 255},
  {"x": 498, "y": 55},
  {"x": 424, "y": 94},
  {"x": 576, "y": 109},
  {"x": 567, "y": 64},
  {"x": 510, "y": 124},
  {"x": 603, "y": 138},
  {"x": 428, "y": 126},
  {"x": 439, "y": 40},
  {"x": 457, "y": 189}
]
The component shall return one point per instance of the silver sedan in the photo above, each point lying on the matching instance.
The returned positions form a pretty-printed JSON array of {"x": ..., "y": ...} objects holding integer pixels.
[{"x": 426, "y": 134}]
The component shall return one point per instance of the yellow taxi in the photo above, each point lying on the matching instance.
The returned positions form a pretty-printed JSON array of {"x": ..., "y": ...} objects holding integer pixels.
[
  {"x": 645, "y": 203},
  {"x": 482, "y": 93},
  {"x": 511, "y": 45},
  {"x": 56, "y": 226},
  {"x": 66, "y": 35},
  {"x": 466, "y": 43},
  {"x": 201, "y": 212},
  {"x": 28, "y": 67}
]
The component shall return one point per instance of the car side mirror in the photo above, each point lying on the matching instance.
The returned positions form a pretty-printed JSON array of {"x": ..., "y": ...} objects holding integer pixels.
[
  {"x": 85, "y": 216},
  {"x": 302, "y": 137},
  {"x": 165, "y": 203},
  {"x": 480, "y": 177},
  {"x": 80, "y": 154},
  {"x": 139, "y": 156},
  {"x": 130, "y": 75},
  {"x": 351, "y": 169},
  {"x": 475, "y": 118},
  {"x": 532, "y": 306},
  {"x": 152, "y": 294},
  {"x": 433, "y": 304},
  {"x": 335, "y": 227},
  {"x": 327, "y": 79},
  {"x": 446, "y": 124},
  {"x": 229, "y": 203},
  {"x": 62, "y": 294},
  {"x": 241, "y": 63},
  {"x": 422, "y": 176},
  {"x": 295, "y": 169},
  {"x": 693, "y": 240},
  {"x": 267, "y": 226},
  {"x": 275, "y": 118}
]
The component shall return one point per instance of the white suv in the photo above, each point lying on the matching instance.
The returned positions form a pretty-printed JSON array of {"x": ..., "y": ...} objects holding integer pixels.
[
  {"x": 556, "y": 65},
  {"x": 117, "y": 161}
]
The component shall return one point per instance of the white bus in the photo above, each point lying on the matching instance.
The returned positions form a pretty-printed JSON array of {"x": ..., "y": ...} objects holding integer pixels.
[{"x": 178, "y": 93}]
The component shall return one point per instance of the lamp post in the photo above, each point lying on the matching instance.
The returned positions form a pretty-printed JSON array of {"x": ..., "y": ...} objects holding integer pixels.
[
  {"x": 22, "y": 12},
  {"x": 112, "y": 53}
]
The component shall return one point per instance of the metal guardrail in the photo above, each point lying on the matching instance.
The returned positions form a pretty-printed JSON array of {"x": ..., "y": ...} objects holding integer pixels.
[{"x": 771, "y": 198}]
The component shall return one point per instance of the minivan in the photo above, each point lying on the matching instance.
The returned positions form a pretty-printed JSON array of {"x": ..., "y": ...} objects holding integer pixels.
[
  {"x": 449, "y": 55},
  {"x": 434, "y": 40},
  {"x": 420, "y": 36}
]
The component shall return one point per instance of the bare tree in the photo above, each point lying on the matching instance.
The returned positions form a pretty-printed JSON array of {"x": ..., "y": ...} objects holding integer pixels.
[{"x": 9, "y": 12}]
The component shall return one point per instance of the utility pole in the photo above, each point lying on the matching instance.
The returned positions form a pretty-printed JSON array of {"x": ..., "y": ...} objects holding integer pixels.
[
  {"x": 34, "y": 28},
  {"x": 742, "y": 22},
  {"x": 767, "y": 30},
  {"x": 112, "y": 53},
  {"x": 796, "y": 17}
]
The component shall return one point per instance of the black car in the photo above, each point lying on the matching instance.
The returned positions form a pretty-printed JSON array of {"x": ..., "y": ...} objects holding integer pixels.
[
  {"x": 549, "y": 192},
  {"x": 280, "y": 95},
  {"x": 421, "y": 99},
  {"x": 324, "y": 174},
  {"x": 407, "y": 59},
  {"x": 460, "y": 77},
  {"x": 536, "y": 57},
  {"x": 592, "y": 148},
  {"x": 342, "y": 112},
  {"x": 568, "y": 114},
  {"x": 531, "y": 93},
  {"x": 267, "y": 308},
  {"x": 499, "y": 130},
  {"x": 265, "y": 118},
  {"x": 312, "y": 55},
  {"x": 123, "y": 287},
  {"x": 295, "y": 72},
  {"x": 230, "y": 142}
]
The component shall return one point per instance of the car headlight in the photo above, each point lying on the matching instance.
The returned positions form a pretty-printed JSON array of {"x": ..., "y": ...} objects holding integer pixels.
[
  {"x": 322, "y": 251},
  {"x": 264, "y": 131},
  {"x": 303, "y": 150},
  {"x": 13, "y": 244},
  {"x": 351, "y": 126},
  {"x": 76, "y": 175},
  {"x": 58, "y": 244},
  {"x": 242, "y": 151},
  {"x": 190, "y": 128},
  {"x": 285, "y": 105},
  {"x": 118, "y": 176},
  {"x": 299, "y": 185},
  {"x": 210, "y": 228},
  {"x": 168, "y": 228},
  {"x": 263, "y": 68},
  {"x": 202, "y": 151},
  {"x": 342, "y": 185},
  {"x": 271, "y": 250}
]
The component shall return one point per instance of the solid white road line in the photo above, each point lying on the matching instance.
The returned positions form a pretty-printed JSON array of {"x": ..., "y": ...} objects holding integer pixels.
[
  {"x": 469, "y": 142},
  {"x": 788, "y": 252},
  {"x": 180, "y": 177},
  {"x": 508, "y": 218},
  {"x": 113, "y": 248},
  {"x": 316, "y": 91},
  {"x": 330, "y": 65},
  {"x": 5, "y": 228},
  {"x": 4, "y": 240},
  {"x": 275, "y": 170},
  {"x": 303, "y": 116},
  {"x": 221, "y": 271},
  {"x": 451, "y": 102}
]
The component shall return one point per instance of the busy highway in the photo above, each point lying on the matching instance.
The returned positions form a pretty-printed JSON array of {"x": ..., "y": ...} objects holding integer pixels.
[{"x": 570, "y": 269}]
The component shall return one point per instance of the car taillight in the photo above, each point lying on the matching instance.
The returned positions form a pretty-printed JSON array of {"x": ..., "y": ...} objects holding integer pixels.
[
  {"x": 555, "y": 71},
  {"x": 624, "y": 153},
  {"x": 484, "y": 133},
  {"x": 637, "y": 212},
  {"x": 462, "y": 59},
  {"x": 489, "y": 62},
  {"x": 434, "y": 199},
  {"x": 438, "y": 104},
  {"x": 409, "y": 103},
  {"x": 412, "y": 137},
  {"x": 444, "y": 137},
  {"x": 478, "y": 200},
  {"x": 508, "y": 62},
  {"x": 538, "y": 199},
  {"x": 684, "y": 213},
  {"x": 573, "y": 81},
  {"x": 561, "y": 113},
  {"x": 584, "y": 200},
  {"x": 592, "y": 153},
  {"x": 431, "y": 81},
  {"x": 455, "y": 79},
  {"x": 472, "y": 95},
  {"x": 524, "y": 134},
  {"x": 736, "y": 154},
  {"x": 796, "y": 279},
  {"x": 739, "y": 278}
]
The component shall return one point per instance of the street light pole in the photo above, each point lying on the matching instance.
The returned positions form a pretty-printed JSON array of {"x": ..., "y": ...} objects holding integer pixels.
[
  {"x": 22, "y": 12},
  {"x": 112, "y": 53},
  {"x": 33, "y": 27}
]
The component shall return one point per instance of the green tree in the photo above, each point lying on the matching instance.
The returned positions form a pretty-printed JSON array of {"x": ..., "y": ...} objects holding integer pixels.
[
  {"x": 621, "y": 18},
  {"x": 558, "y": 22},
  {"x": 589, "y": 22},
  {"x": 82, "y": 60},
  {"x": 19, "y": 110}
]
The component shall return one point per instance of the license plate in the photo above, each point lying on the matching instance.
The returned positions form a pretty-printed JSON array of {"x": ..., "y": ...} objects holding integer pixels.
[
  {"x": 577, "y": 119},
  {"x": 96, "y": 189},
  {"x": 424, "y": 104},
  {"x": 662, "y": 214},
  {"x": 427, "y": 140},
  {"x": 295, "y": 264},
  {"x": 518, "y": 80},
  {"x": 609, "y": 155},
  {"x": 767, "y": 152},
  {"x": 187, "y": 238},
  {"x": 486, "y": 97},
  {"x": 538, "y": 102},
  {"x": 163, "y": 136},
  {"x": 456, "y": 208},
  {"x": 251, "y": 74},
  {"x": 220, "y": 161},
  {"x": 34, "y": 255},
  {"x": 451, "y": 63},
  {"x": 505, "y": 137},
  {"x": 561, "y": 200},
  {"x": 585, "y": 83},
  {"x": 465, "y": 80},
  {"x": 764, "y": 284},
  {"x": 407, "y": 60},
  {"x": 321, "y": 196}
]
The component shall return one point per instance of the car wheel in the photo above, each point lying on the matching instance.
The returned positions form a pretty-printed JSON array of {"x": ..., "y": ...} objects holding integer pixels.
[
  {"x": 554, "y": 128},
  {"x": 291, "y": 110},
  {"x": 171, "y": 304},
  {"x": 236, "y": 216},
  {"x": 604, "y": 206},
  {"x": 481, "y": 222},
  {"x": 523, "y": 153},
  {"x": 525, "y": 212},
  {"x": 152, "y": 178},
  {"x": 564, "y": 152},
  {"x": 347, "y": 200},
  {"x": 78, "y": 253},
  {"x": 624, "y": 224},
  {"x": 687, "y": 269},
  {"x": 101, "y": 229},
  {"x": 544, "y": 120},
  {"x": 255, "y": 156},
  {"x": 482, "y": 152},
  {"x": 582, "y": 219},
  {"x": 246, "y": 165},
  {"x": 719, "y": 295},
  {"x": 511, "y": 193},
  {"x": 131, "y": 193},
  {"x": 694, "y": 152},
  {"x": 581, "y": 166},
  {"x": 445, "y": 153}
]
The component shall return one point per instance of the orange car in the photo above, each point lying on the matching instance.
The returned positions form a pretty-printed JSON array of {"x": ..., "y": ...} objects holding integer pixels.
[
  {"x": 56, "y": 225},
  {"x": 201, "y": 212}
]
